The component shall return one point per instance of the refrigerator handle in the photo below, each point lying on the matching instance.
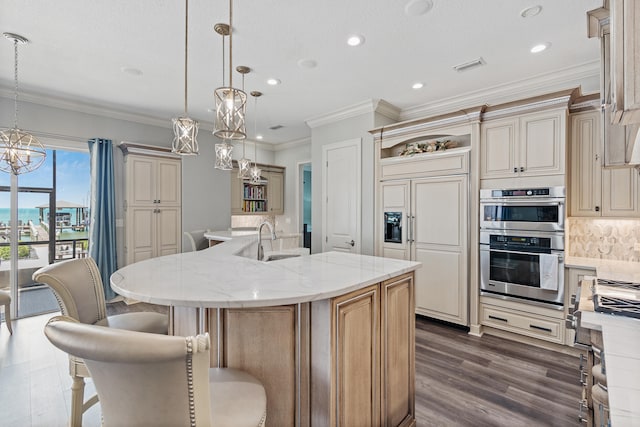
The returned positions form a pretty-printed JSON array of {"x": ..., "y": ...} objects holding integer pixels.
[{"x": 409, "y": 233}]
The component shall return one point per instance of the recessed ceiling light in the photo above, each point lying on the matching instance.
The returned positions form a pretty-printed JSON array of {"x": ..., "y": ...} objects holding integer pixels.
[
  {"x": 258, "y": 136},
  {"x": 132, "y": 71},
  {"x": 418, "y": 7},
  {"x": 417, "y": 85},
  {"x": 307, "y": 63},
  {"x": 531, "y": 11},
  {"x": 273, "y": 82},
  {"x": 355, "y": 40},
  {"x": 540, "y": 47}
]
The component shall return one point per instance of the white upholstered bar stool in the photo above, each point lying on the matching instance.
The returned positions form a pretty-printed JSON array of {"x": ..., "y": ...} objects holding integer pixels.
[
  {"x": 155, "y": 380},
  {"x": 5, "y": 300},
  {"x": 77, "y": 285}
]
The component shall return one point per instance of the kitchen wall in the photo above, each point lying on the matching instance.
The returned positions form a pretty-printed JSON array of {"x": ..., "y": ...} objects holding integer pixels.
[
  {"x": 612, "y": 239},
  {"x": 205, "y": 190}
]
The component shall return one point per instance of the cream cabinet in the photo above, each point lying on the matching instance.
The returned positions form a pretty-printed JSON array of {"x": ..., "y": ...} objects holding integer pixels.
[
  {"x": 598, "y": 191},
  {"x": 264, "y": 197},
  {"x": 527, "y": 145},
  {"x": 434, "y": 216},
  {"x": 625, "y": 61},
  {"x": 153, "y": 213}
]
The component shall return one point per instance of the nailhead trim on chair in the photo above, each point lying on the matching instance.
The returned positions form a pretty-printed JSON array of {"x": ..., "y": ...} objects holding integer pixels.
[{"x": 192, "y": 406}]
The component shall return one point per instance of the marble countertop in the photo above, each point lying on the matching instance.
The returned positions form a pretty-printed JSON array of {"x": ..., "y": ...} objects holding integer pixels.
[
  {"x": 227, "y": 275},
  {"x": 621, "y": 341},
  {"x": 607, "y": 269}
]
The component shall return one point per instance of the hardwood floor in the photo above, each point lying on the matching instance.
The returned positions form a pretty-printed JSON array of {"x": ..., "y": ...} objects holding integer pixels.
[
  {"x": 463, "y": 380},
  {"x": 460, "y": 380}
]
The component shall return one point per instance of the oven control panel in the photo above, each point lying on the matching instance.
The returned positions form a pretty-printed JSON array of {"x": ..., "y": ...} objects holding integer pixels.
[{"x": 500, "y": 241}]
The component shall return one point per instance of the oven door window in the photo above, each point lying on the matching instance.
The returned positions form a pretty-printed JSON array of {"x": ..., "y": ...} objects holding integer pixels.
[
  {"x": 515, "y": 268},
  {"x": 522, "y": 213}
]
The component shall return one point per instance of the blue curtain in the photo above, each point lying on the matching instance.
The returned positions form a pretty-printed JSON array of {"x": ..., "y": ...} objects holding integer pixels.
[{"x": 102, "y": 238}]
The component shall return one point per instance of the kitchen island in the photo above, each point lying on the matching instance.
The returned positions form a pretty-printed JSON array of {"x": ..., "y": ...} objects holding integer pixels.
[{"x": 335, "y": 326}]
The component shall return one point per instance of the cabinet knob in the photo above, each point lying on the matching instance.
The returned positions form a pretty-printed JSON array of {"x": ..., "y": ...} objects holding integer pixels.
[
  {"x": 515, "y": 170},
  {"x": 597, "y": 209},
  {"x": 521, "y": 169}
]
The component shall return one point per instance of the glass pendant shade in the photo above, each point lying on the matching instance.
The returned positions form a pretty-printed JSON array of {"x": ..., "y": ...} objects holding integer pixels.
[
  {"x": 256, "y": 174},
  {"x": 185, "y": 131},
  {"x": 231, "y": 105},
  {"x": 244, "y": 165},
  {"x": 21, "y": 151},
  {"x": 223, "y": 156}
]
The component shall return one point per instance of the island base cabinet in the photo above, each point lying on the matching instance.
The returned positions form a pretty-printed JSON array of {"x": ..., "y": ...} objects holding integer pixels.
[
  {"x": 345, "y": 361},
  {"x": 363, "y": 363}
]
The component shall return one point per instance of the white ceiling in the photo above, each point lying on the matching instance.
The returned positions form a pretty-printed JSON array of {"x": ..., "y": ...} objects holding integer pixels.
[{"x": 78, "y": 48}]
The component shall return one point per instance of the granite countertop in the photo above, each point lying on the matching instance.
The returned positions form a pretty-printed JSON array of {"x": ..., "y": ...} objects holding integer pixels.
[{"x": 227, "y": 275}]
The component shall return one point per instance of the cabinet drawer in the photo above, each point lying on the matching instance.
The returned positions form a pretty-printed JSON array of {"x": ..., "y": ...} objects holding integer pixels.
[{"x": 523, "y": 323}]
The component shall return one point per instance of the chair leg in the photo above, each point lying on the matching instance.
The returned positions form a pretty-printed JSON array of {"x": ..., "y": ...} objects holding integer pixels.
[
  {"x": 7, "y": 317},
  {"x": 77, "y": 401}
]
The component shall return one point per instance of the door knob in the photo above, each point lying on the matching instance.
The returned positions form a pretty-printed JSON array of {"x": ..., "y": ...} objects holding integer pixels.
[{"x": 352, "y": 243}]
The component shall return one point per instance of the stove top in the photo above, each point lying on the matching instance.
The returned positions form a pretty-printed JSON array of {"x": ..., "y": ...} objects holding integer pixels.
[{"x": 617, "y": 297}]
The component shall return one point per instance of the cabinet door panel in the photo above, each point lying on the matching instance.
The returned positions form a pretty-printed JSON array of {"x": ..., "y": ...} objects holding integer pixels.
[
  {"x": 168, "y": 178},
  {"x": 497, "y": 148},
  {"x": 275, "y": 193},
  {"x": 168, "y": 231},
  {"x": 441, "y": 290},
  {"x": 141, "y": 232},
  {"x": 357, "y": 367},
  {"x": 542, "y": 150},
  {"x": 398, "y": 354},
  {"x": 586, "y": 172},
  {"x": 621, "y": 197},
  {"x": 141, "y": 181},
  {"x": 439, "y": 206}
]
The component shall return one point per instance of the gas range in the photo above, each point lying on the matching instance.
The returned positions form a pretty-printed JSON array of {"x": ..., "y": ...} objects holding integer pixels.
[{"x": 616, "y": 297}]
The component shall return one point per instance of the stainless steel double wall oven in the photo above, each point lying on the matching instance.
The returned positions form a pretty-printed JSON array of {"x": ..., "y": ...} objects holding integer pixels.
[{"x": 522, "y": 244}]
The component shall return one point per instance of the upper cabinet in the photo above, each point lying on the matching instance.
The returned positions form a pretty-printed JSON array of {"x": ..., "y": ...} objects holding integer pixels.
[
  {"x": 596, "y": 191},
  {"x": 625, "y": 61},
  {"x": 525, "y": 145},
  {"x": 264, "y": 197},
  {"x": 153, "y": 180}
]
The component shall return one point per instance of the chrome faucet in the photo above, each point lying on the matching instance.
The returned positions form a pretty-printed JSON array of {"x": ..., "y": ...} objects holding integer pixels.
[{"x": 273, "y": 237}]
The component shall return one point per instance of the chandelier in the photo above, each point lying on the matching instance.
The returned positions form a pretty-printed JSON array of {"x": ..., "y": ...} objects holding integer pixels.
[
  {"x": 255, "y": 172},
  {"x": 185, "y": 129},
  {"x": 20, "y": 152},
  {"x": 230, "y": 102}
]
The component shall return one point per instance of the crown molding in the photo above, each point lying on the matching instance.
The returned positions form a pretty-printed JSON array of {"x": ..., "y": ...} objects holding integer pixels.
[
  {"x": 369, "y": 106},
  {"x": 291, "y": 144},
  {"x": 500, "y": 94}
]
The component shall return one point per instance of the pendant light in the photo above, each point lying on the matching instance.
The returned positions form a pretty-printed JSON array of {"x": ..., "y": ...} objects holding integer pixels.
[
  {"x": 230, "y": 102},
  {"x": 185, "y": 129},
  {"x": 244, "y": 164},
  {"x": 255, "y": 172},
  {"x": 20, "y": 152},
  {"x": 223, "y": 156}
]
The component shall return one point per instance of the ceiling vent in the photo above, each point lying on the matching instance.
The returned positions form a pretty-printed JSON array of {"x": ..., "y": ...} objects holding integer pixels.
[
  {"x": 276, "y": 127},
  {"x": 468, "y": 65}
]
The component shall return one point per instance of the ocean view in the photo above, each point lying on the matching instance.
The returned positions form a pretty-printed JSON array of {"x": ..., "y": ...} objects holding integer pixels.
[{"x": 26, "y": 214}]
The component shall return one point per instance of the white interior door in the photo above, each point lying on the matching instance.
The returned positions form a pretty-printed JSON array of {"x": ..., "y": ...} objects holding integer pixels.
[{"x": 341, "y": 191}]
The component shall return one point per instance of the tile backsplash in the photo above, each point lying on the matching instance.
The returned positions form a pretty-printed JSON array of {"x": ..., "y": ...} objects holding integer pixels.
[
  {"x": 250, "y": 221},
  {"x": 603, "y": 238}
]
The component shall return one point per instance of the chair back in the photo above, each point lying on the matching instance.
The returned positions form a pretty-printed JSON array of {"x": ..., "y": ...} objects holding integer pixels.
[
  {"x": 142, "y": 379},
  {"x": 196, "y": 240},
  {"x": 77, "y": 285}
]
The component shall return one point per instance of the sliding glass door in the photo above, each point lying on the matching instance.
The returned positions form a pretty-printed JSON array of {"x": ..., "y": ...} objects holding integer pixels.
[{"x": 38, "y": 226}]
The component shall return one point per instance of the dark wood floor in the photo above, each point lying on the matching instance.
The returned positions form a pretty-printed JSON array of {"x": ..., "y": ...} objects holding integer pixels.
[{"x": 463, "y": 380}]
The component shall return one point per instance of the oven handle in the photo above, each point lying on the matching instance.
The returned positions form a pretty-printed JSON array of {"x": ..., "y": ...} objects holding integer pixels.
[
  {"x": 527, "y": 202},
  {"x": 553, "y": 252}
]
